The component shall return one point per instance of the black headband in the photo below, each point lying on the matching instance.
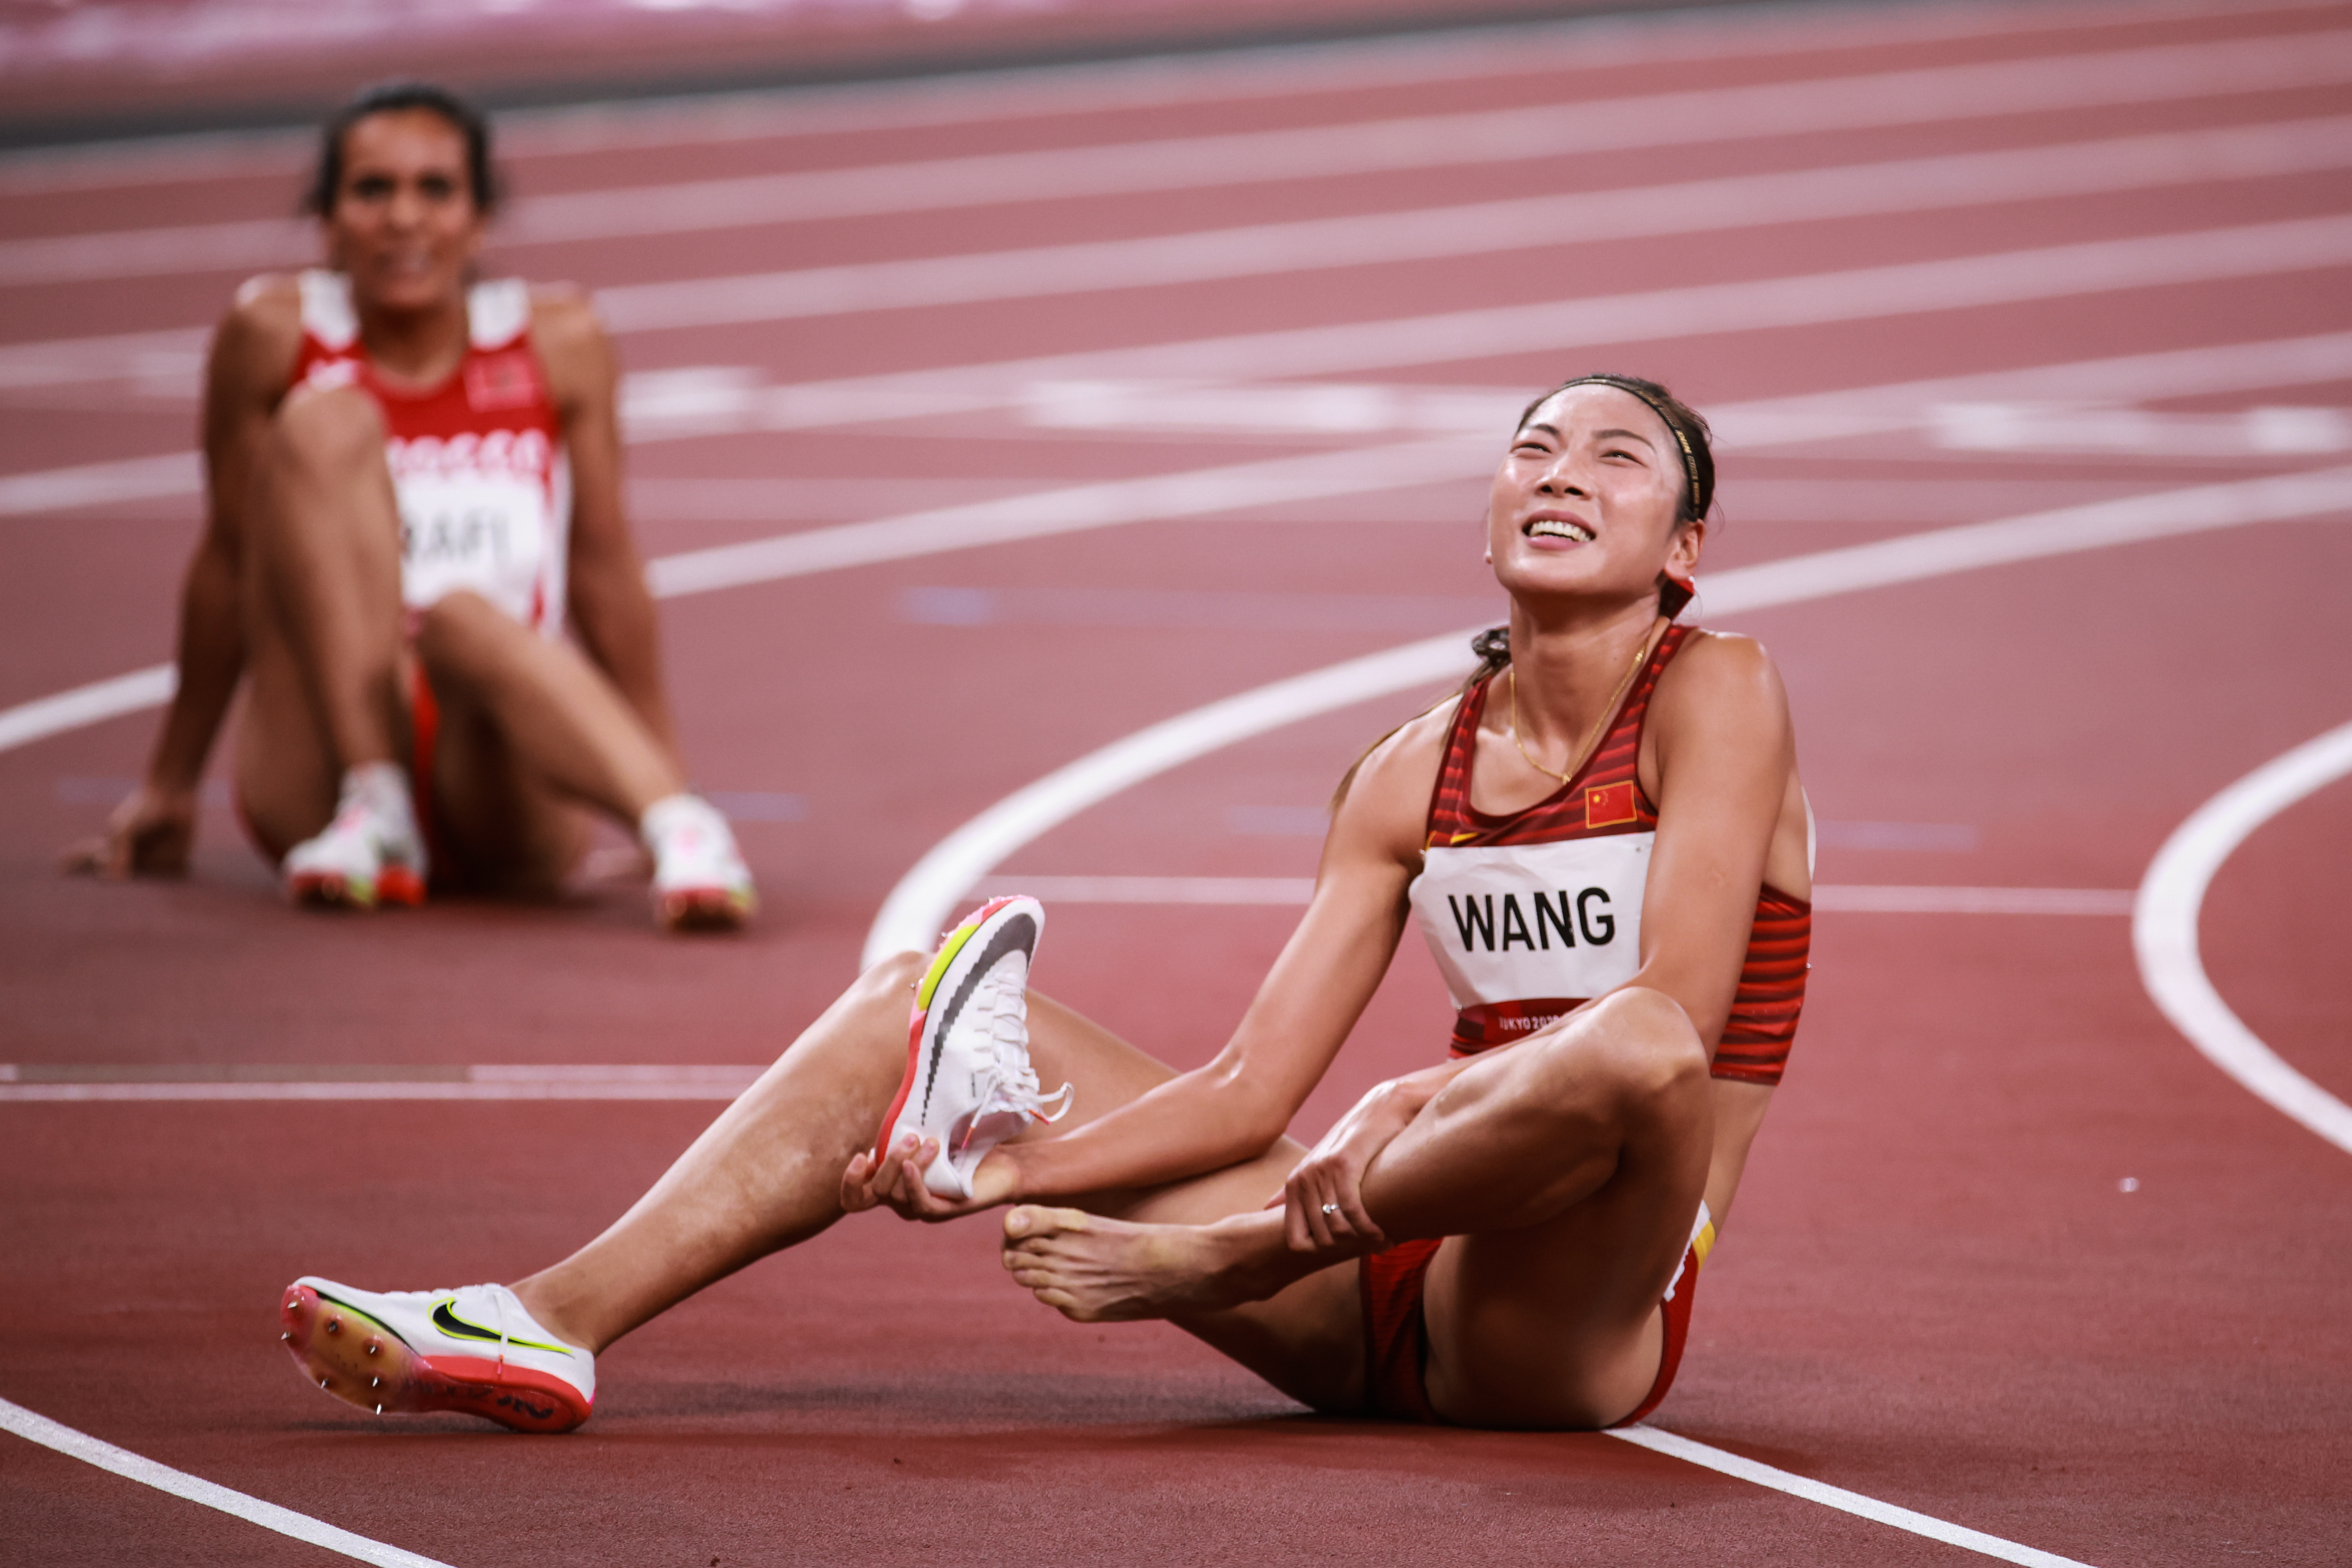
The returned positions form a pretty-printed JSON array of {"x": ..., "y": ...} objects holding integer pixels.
[{"x": 1699, "y": 501}]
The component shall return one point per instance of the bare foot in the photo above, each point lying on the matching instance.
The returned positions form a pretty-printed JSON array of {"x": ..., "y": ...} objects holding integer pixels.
[{"x": 1107, "y": 1270}]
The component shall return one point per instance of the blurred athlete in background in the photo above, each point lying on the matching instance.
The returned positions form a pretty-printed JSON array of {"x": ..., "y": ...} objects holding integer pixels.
[{"x": 415, "y": 492}]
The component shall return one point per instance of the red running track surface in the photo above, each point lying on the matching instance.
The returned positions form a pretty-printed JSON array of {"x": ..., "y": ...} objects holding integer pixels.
[{"x": 1935, "y": 1292}]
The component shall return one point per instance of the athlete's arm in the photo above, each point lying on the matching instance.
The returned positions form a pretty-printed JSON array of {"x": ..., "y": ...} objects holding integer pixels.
[
  {"x": 1720, "y": 750},
  {"x": 1234, "y": 1108},
  {"x": 611, "y": 610},
  {"x": 1333, "y": 1171},
  {"x": 245, "y": 378}
]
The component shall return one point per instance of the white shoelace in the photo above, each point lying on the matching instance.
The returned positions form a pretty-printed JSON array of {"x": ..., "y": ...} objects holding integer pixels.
[{"x": 1012, "y": 1082}]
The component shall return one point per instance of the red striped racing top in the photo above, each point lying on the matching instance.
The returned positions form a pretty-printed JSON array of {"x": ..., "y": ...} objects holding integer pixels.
[
  {"x": 1532, "y": 914},
  {"x": 477, "y": 462}
]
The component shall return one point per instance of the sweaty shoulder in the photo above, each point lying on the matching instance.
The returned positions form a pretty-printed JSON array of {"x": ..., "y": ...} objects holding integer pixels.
[
  {"x": 254, "y": 345},
  {"x": 1387, "y": 799},
  {"x": 572, "y": 343},
  {"x": 1720, "y": 666},
  {"x": 1723, "y": 682}
]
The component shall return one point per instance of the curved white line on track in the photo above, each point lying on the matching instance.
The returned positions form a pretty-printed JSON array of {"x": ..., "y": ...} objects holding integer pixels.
[
  {"x": 100, "y": 700},
  {"x": 2164, "y": 930},
  {"x": 64, "y": 1439},
  {"x": 1707, "y": 1457},
  {"x": 917, "y": 907}
]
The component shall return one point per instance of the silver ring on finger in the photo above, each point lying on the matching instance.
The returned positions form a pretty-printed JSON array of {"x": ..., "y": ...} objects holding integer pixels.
[{"x": 1330, "y": 1209}]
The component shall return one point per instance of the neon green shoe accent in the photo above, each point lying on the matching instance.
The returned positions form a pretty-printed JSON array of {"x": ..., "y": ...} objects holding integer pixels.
[{"x": 945, "y": 955}]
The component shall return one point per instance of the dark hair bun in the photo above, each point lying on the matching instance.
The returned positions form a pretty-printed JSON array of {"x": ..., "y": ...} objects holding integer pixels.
[{"x": 1493, "y": 648}]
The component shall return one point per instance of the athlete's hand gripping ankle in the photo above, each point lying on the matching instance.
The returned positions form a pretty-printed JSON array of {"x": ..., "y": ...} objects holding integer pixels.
[
  {"x": 898, "y": 1182},
  {"x": 1323, "y": 1201},
  {"x": 149, "y": 835}
]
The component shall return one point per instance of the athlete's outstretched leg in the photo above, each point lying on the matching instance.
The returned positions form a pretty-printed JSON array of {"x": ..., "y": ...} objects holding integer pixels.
[
  {"x": 1565, "y": 1170},
  {"x": 767, "y": 1173}
]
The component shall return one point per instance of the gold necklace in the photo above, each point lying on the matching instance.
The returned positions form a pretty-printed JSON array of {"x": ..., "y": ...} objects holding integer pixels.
[{"x": 1592, "y": 738}]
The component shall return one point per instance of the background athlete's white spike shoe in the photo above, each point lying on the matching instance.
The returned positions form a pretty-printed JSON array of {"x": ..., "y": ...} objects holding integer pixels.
[
  {"x": 372, "y": 851},
  {"x": 473, "y": 1349},
  {"x": 969, "y": 1082},
  {"x": 700, "y": 882}
]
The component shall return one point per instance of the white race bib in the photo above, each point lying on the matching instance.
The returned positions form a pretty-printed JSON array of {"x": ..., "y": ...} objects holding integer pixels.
[
  {"x": 474, "y": 514},
  {"x": 1510, "y": 922}
]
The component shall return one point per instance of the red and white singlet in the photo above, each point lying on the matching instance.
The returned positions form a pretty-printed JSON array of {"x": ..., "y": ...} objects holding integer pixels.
[
  {"x": 476, "y": 462},
  {"x": 1532, "y": 914}
]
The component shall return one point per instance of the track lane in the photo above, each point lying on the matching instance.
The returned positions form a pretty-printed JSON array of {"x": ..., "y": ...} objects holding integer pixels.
[{"x": 1907, "y": 1091}]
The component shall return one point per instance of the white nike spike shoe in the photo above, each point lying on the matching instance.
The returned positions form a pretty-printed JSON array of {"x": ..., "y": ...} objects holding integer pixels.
[
  {"x": 473, "y": 1349},
  {"x": 969, "y": 1083},
  {"x": 700, "y": 882},
  {"x": 372, "y": 852}
]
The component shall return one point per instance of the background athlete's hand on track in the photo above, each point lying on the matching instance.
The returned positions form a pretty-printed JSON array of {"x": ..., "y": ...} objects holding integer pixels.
[
  {"x": 898, "y": 1182},
  {"x": 149, "y": 835},
  {"x": 1333, "y": 1172}
]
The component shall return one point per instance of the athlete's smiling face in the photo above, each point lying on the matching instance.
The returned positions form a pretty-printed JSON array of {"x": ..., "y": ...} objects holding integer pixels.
[
  {"x": 1586, "y": 504},
  {"x": 405, "y": 224}
]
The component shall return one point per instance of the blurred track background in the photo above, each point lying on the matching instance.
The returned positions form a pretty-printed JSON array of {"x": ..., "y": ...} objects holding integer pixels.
[{"x": 982, "y": 418}]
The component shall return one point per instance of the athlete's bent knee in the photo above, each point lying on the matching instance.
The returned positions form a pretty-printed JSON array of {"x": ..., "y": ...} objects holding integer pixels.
[
  {"x": 327, "y": 431},
  {"x": 451, "y": 631},
  {"x": 892, "y": 979},
  {"x": 1645, "y": 1043}
]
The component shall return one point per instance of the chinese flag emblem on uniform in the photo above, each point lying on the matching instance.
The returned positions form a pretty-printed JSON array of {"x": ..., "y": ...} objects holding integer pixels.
[{"x": 1605, "y": 805}]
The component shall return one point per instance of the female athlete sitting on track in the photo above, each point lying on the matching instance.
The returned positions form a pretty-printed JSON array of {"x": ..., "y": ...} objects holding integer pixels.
[
  {"x": 413, "y": 485},
  {"x": 1605, "y": 842}
]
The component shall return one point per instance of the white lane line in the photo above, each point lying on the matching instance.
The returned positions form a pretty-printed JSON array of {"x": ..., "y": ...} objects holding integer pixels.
[
  {"x": 102, "y": 484},
  {"x": 1535, "y": 327},
  {"x": 64, "y": 1439},
  {"x": 1707, "y": 1457},
  {"x": 1487, "y": 228},
  {"x": 1429, "y": 142},
  {"x": 918, "y": 907},
  {"x": 2164, "y": 930},
  {"x": 1030, "y": 93},
  {"x": 1852, "y": 898},
  {"x": 1156, "y": 889},
  {"x": 72, "y": 1082},
  {"x": 1207, "y": 491},
  {"x": 1499, "y": 332},
  {"x": 1197, "y": 493},
  {"x": 1844, "y": 897},
  {"x": 114, "y": 356},
  {"x": 1524, "y": 331},
  {"x": 1811, "y": 416},
  {"x": 92, "y": 704},
  {"x": 1320, "y": 152}
]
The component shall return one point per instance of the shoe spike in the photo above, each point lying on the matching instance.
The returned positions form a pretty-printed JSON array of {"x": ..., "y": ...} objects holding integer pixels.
[
  {"x": 286, "y": 1336},
  {"x": 375, "y": 1345},
  {"x": 322, "y": 1382},
  {"x": 375, "y": 1383},
  {"x": 334, "y": 1325}
]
